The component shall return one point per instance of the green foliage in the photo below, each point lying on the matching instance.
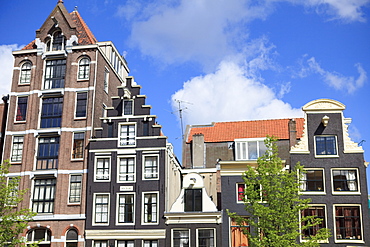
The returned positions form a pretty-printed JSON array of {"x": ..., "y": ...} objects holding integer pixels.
[
  {"x": 13, "y": 220},
  {"x": 272, "y": 200}
]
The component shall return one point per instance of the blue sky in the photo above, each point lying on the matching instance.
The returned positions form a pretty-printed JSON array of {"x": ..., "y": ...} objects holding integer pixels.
[{"x": 224, "y": 60}]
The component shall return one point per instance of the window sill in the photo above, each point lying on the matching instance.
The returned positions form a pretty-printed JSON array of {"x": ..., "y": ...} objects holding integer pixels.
[
  {"x": 326, "y": 156},
  {"x": 73, "y": 204},
  {"x": 313, "y": 193},
  {"x": 349, "y": 241},
  {"x": 346, "y": 193},
  {"x": 79, "y": 118},
  {"x": 76, "y": 160},
  {"x": 16, "y": 162},
  {"x": 83, "y": 80},
  {"x": 24, "y": 84},
  {"x": 20, "y": 122}
]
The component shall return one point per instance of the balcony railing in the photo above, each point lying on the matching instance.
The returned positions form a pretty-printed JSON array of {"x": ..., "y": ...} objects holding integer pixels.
[{"x": 46, "y": 163}]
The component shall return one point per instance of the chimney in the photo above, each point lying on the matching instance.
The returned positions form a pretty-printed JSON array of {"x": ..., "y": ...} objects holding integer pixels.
[
  {"x": 198, "y": 151},
  {"x": 292, "y": 128}
]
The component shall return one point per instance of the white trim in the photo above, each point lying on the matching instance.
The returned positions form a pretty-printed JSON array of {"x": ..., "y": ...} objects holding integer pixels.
[
  {"x": 143, "y": 208},
  {"x": 53, "y": 90},
  {"x": 133, "y": 207},
  {"x": 47, "y": 130},
  {"x": 197, "y": 235},
  {"x": 33, "y": 173},
  {"x": 347, "y": 192},
  {"x": 146, "y": 234},
  {"x": 94, "y": 208},
  {"x": 59, "y": 217},
  {"x": 123, "y": 151},
  {"x": 109, "y": 167},
  {"x": 361, "y": 222},
  {"x": 119, "y": 165},
  {"x": 143, "y": 166}
]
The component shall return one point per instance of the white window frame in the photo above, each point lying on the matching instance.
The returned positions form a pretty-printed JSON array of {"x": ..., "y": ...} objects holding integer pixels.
[
  {"x": 96, "y": 166},
  {"x": 117, "y": 244},
  {"x": 12, "y": 149},
  {"x": 134, "y": 138},
  {"x": 143, "y": 208},
  {"x": 336, "y": 240},
  {"x": 117, "y": 208},
  {"x": 326, "y": 221},
  {"x": 356, "y": 192},
  {"x": 245, "y": 141},
  {"x": 180, "y": 229},
  {"x": 132, "y": 107},
  {"x": 103, "y": 240},
  {"x": 94, "y": 223},
  {"x": 21, "y": 69},
  {"x": 143, "y": 166},
  {"x": 76, "y": 101},
  {"x": 69, "y": 189},
  {"x": 326, "y": 155},
  {"x": 78, "y": 69},
  {"x": 156, "y": 240},
  {"x": 214, "y": 235},
  {"x": 323, "y": 192},
  {"x": 119, "y": 166},
  {"x": 237, "y": 192}
]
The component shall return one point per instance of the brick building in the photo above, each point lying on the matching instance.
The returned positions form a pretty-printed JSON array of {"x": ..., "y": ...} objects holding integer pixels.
[{"x": 62, "y": 83}]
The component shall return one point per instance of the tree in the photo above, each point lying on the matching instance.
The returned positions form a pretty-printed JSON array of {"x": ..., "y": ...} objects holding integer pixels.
[
  {"x": 272, "y": 200},
  {"x": 13, "y": 220}
]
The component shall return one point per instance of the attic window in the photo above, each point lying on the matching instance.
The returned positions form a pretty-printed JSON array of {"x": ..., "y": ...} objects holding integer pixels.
[
  {"x": 56, "y": 42},
  {"x": 249, "y": 149}
]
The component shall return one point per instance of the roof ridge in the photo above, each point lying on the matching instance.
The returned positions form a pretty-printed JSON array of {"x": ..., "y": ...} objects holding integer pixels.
[{"x": 76, "y": 17}]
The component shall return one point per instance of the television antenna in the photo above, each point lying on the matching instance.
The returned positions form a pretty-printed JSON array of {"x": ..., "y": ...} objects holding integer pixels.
[{"x": 180, "y": 110}]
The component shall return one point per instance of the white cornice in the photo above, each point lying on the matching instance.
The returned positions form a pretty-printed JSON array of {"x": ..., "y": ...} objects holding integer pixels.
[{"x": 125, "y": 234}]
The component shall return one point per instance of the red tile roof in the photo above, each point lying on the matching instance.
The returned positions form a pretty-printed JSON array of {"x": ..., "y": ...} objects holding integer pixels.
[
  {"x": 85, "y": 36},
  {"x": 229, "y": 131}
]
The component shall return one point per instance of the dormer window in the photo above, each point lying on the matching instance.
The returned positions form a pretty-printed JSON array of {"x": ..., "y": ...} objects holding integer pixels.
[
  {"x": 56, "y": 42},
  {"x": 249, "y": 149}
]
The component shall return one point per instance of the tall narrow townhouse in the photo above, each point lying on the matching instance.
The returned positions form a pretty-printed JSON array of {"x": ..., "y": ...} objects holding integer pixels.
[
  {"x": 133, "y": 175},
  {"x": 62, "y": 82},
  {"x": 335, "y": 177}
]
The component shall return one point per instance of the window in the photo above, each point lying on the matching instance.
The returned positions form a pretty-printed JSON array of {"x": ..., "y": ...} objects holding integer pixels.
[
  {"x": 43, "y": 195},
  {"x": 127, "y": 135},
  {"x": 106, "y": 80},
  {"x": 58, "y": 41},
  {"x": 47, "y": 156},
  {"x": 39, "y": 234},
  {"x": 150, "y": 208},
  {"x": 125, "y": 208},
  {"x": 78, "y": 145},
  {"x": 55, "y": 72},
  {"x": 345, "y": 180},
  {"x": 313, "y": 180},
  {"x": 348, "y": 223},
  {"x": 75, "y": 182},
  {"x": 150, "y": 243},
  {"x": 81, "y": 104},
  {"x": 145, "y": 128},
  {"x": 238, "y": 238},
  {"x": 240, "y": 192},
  {"x": 317, "y": 212},
  {"x": 25, "y": 75},
  {"x": 102, "y": 169},
  {"x": 127, "y": 107},
  {"x": 206, "y": 238},
  {"x": 193, "y": 200},
  {"x": 17, "y": 149},
  {"x": 13, "y": 186},
  {"x": 101, "y": 209},
  {"x": 84, "y": 68},
  {"x": 326, "y": 145},
  {"x": 71, "y": 238},
  {"x": 150, "y": 167},
  {"x": 126, "y": 172},
  {"x": 51, "y": 113},
  {"x": 249, "y": 150},
  {"x": 101, "y": 243},
  {"x": 21, "y": 109},
  {"x": 125, "y": 243},
  {"x": 180, "y": 238}
]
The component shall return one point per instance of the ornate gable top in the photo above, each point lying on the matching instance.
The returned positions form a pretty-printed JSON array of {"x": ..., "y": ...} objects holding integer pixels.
[{"x": 324, "y": 105}]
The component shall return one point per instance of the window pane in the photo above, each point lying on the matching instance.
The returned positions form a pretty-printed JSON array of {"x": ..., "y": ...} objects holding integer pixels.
[
  {"x": 181, "y": 238},
  {"x": 84, "y": 68},
  {"x": 75, "y": 189},
  {"x": 252, "y": 151},
  {"x": 127, "y": 107},
  {"x": 43, "y": 196},
  {"x": 78, "y": 145},
  {"x": 345, "y": 180},
  {"x": 17, "y": 149},
  {"x": 238, "y": 238},
  {"x": 126, "y": 208},
  {"x": 326, "y": 145},
  {"x": 21, "y": 109},
  {"x": 126, "y": 169},
  {"x": 150, "y": 167},
  {"x": 101, "y": 208},
  {"x": 51, "y": 113},
  {"x": 205, "y": 238},
  {"x": 348, "y": 222},
  {"x": 102, "y": 169},
  {"x": 127, "y": 135},
  {"x": 193, "y": 200},
  {"x": 312, "y": 181},
  {"x": 317, "y": 212},
  {"x": 150, "y": 208},
  {"x": 81, "y": 105},
  {"x": 25, "y": 76}
]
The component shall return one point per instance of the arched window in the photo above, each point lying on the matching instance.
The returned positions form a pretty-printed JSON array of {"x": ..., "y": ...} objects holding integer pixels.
[
  {"x": 25, "y": 75},
  {"x": 84, "y": 68},
  {"x": 71, "y": 238},
  {"x": 39, "y": 234},
  {"x": 55, "y": 42}
]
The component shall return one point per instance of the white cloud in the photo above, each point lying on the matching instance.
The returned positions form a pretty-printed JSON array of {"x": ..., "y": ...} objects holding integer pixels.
[
  {"x": 6, "y": 67},
  {"x": 347, "y": 10},
  {"x": 229, "y": 94},
  {"x": 335, "y": 79}
]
